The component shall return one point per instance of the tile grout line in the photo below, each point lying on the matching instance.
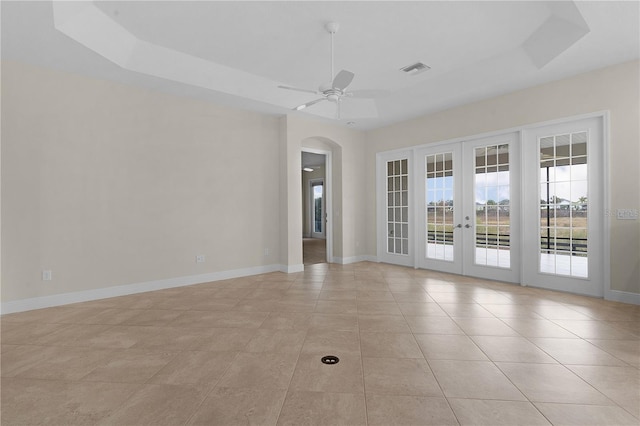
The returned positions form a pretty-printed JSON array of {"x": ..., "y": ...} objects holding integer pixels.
[
  {"x": 431, "y": 368},
  {"x": 286, "y": 393}
]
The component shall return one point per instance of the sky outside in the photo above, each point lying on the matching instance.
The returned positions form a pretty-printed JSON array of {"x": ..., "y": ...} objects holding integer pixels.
[{"x": 567, "y": 182}]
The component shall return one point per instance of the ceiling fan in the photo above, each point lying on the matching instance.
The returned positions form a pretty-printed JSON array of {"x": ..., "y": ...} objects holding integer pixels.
[{"x": 335, "y": 91}]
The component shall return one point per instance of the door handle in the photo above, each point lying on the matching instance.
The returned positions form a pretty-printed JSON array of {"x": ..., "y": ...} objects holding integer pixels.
[
  {"x": 459, "y": 225},
  {"x": 467, "y": 226}
]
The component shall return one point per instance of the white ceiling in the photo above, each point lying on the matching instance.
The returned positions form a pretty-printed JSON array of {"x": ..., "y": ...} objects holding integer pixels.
[{"x": 237, "y": 53}]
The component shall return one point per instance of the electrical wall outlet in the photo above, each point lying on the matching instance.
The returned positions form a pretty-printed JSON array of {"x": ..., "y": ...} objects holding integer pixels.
[
  {"x": 627, "y": 214},
  {"x": 266, "y": 252},
  {"x": 200, "y": 258},
  {"x": 46, "y": 275}
]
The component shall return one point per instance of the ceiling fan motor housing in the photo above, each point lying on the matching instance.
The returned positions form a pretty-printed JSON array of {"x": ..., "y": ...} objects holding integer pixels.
[
  {"x": 333, "y": 95},
  {"x": 332, "y": 27}
]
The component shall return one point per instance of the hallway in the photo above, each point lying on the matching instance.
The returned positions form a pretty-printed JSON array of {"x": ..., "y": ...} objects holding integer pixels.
[{"x": 314, "y": 250}]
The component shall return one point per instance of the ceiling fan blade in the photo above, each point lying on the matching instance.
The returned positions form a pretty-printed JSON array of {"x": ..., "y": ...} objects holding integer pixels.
[
  {"x": 298, "y": 89},
  {"x": 342, "y": 79},
  {"x": 368, "y": 94},
  {"x": 308, "y": 104}
]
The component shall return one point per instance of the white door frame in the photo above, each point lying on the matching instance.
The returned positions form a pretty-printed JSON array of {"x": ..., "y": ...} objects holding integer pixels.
[{"x": 328, "y": 198}]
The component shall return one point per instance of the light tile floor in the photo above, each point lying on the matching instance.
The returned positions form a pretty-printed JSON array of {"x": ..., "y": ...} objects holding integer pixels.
[
  {"x": 314, "y": 250},
  {"x": 415, "y": 347}
]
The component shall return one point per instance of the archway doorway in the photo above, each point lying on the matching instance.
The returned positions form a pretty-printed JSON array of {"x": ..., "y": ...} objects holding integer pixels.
[{"x": 316, "y": 195}]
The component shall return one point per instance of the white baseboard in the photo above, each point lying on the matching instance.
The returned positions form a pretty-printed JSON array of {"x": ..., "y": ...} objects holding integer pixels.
[
  {"x": 124, "y": 290},
  {"x": 355, "y": 259},
  {"x": 290, "y": 269},
  {"x": 622, "y": 296}
]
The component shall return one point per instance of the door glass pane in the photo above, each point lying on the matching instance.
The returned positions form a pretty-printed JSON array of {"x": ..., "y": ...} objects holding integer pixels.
[
  {"x": 563, "y": 243},
  {"x": 439, "y": 206},
  {"x": 492, "y": 206},
  {"x": 317, "y": 207},
  {"x": 397, "y": 207}
]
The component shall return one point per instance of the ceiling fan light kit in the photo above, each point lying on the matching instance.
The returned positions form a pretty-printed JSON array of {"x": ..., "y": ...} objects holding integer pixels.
[{"x": 335, "y": 91}]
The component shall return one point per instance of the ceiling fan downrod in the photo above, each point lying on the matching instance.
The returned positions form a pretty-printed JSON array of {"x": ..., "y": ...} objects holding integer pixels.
[{"x": 332, "y": 28}]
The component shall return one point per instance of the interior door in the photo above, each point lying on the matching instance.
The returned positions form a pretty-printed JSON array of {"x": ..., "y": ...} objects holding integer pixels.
[{"x": 563, "y": 207}]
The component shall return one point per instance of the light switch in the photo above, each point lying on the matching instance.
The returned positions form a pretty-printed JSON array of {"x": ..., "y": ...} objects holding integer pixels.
[{"x": 627, "y": 214}]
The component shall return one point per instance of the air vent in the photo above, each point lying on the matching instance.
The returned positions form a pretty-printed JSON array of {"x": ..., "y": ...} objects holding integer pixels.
[{"x": 416, "y": 68}]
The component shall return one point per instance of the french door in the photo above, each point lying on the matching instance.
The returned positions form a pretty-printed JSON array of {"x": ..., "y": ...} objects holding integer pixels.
[
  {"x": 395, "y": 189},
  {"x": 468, "y": 208},
  {"x": 564, "y": 209},
  {"x": 524, "y": 207}
]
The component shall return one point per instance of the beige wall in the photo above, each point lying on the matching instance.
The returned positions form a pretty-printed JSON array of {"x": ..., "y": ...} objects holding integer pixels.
[
  {"x": 616, "y": 89},
  {"x": 107, "y": 184}
]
